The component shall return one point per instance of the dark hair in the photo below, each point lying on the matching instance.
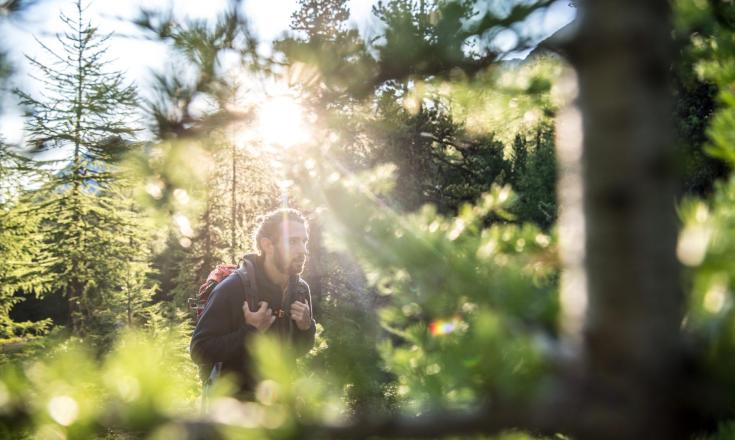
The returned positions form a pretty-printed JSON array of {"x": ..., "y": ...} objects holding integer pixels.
[{"x": 268, "y": 224}]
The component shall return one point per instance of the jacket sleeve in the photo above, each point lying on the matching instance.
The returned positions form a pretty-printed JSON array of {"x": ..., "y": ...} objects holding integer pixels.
[
  {"x": 304, "y": 339},
  {"x": 216, "y": 338}
]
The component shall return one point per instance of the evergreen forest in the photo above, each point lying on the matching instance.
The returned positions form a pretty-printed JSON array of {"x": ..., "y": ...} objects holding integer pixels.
[{"x": 514, "y": 233}]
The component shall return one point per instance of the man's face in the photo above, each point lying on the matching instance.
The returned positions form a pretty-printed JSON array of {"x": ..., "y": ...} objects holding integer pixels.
[{"x": 290, "y": 250}]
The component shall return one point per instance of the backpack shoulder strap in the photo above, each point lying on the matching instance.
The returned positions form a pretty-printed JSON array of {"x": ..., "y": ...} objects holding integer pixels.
[
  {"x": 250, "y": 269},
  {"x": 246, "y": 275}
]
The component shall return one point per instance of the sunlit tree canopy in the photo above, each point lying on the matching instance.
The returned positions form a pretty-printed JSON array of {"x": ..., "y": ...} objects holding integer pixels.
[{"x": 519, "y": 218}]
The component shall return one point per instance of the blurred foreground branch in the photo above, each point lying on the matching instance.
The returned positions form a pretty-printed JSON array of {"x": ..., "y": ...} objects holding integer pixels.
[{"x": 491, "y": 419}]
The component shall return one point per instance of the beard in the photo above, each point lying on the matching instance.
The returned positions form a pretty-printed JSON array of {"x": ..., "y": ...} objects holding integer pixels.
[{"x": 293, "y": 267}]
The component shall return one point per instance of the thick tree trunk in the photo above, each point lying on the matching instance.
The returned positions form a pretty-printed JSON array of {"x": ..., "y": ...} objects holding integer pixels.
[{"x": 632, "y": 343}]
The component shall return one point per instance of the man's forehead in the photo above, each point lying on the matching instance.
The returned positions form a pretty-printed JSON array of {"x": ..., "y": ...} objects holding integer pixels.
[{"x": 293, "y": 229}]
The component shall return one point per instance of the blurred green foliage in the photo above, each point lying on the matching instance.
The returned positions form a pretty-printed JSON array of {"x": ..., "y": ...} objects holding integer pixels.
[
  {"x": 705, "y": 242},
  {"x": 65, "y": 392},
  {"x": 492, "y": 286},
  {"x": 434, "y": 249}
]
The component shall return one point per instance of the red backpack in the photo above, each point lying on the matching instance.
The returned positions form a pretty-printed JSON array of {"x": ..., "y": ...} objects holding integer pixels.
[{"x": 222, "y": 271}]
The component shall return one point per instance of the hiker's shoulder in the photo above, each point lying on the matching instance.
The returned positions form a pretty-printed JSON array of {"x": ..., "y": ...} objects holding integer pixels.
[
  {"x": 251, "y": 263},
  {"x": 228, "y": 286}
]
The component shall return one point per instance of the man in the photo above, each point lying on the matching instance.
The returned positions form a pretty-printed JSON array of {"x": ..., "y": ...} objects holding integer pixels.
[{"x": 282, "y": 301}]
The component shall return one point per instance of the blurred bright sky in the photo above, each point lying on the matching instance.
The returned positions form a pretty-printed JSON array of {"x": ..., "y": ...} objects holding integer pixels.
[{"x": 138, "y": 57}]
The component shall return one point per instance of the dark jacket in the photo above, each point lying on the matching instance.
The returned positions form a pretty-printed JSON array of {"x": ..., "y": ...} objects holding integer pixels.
[{"x": 221, "y": 334}]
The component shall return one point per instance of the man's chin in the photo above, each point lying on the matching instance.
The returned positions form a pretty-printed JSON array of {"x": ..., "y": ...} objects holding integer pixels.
[{"x": 296, "y": 268}]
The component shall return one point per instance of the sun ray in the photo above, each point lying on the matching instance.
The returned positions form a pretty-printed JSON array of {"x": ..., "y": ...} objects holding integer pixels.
[{"x": 380, "y": 203}]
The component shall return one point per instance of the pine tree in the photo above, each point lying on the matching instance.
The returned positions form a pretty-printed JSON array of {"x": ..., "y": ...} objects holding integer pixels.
[
  {"x": 240, "y": 187},
  {"x": 87, "y": 224},
  {"x": 321, "y": 19},
  {"x": 18, "y": 243}
]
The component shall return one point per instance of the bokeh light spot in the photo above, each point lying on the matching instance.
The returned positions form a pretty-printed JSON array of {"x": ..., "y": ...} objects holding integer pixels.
[{"x": 63, "y": 410}]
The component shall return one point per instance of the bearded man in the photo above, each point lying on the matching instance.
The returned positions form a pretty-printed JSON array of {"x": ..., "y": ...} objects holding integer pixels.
[{"x": 274, "y": 300}]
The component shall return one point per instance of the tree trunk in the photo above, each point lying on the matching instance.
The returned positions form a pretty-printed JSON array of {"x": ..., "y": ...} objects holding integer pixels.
[
  {"x": 73, "y": 297},
  {"x": 631, "y": 343}
]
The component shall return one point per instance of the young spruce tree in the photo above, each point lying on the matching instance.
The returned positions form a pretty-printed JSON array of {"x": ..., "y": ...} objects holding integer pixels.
[
  {"x": 93, "y": 244},
  {"x": 18, "y": 243}
]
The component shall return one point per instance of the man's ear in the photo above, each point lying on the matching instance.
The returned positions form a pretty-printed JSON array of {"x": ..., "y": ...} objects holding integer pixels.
[{"x": 267, "y": 245}]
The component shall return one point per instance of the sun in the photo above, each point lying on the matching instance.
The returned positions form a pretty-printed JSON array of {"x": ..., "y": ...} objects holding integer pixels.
[{"x": 281, "y": 122}]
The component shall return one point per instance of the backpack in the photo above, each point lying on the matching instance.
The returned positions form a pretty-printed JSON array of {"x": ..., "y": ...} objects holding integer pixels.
[{"x": 222, "y": 271}]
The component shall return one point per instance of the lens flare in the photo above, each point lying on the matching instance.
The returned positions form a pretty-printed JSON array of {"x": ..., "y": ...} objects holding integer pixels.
[{"x": 441, "y": 327}]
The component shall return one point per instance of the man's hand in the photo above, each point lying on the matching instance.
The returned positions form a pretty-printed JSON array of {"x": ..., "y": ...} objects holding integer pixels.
[
  {"x": 260, "y": 319},
  {"x": 301, "y": 314}
]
